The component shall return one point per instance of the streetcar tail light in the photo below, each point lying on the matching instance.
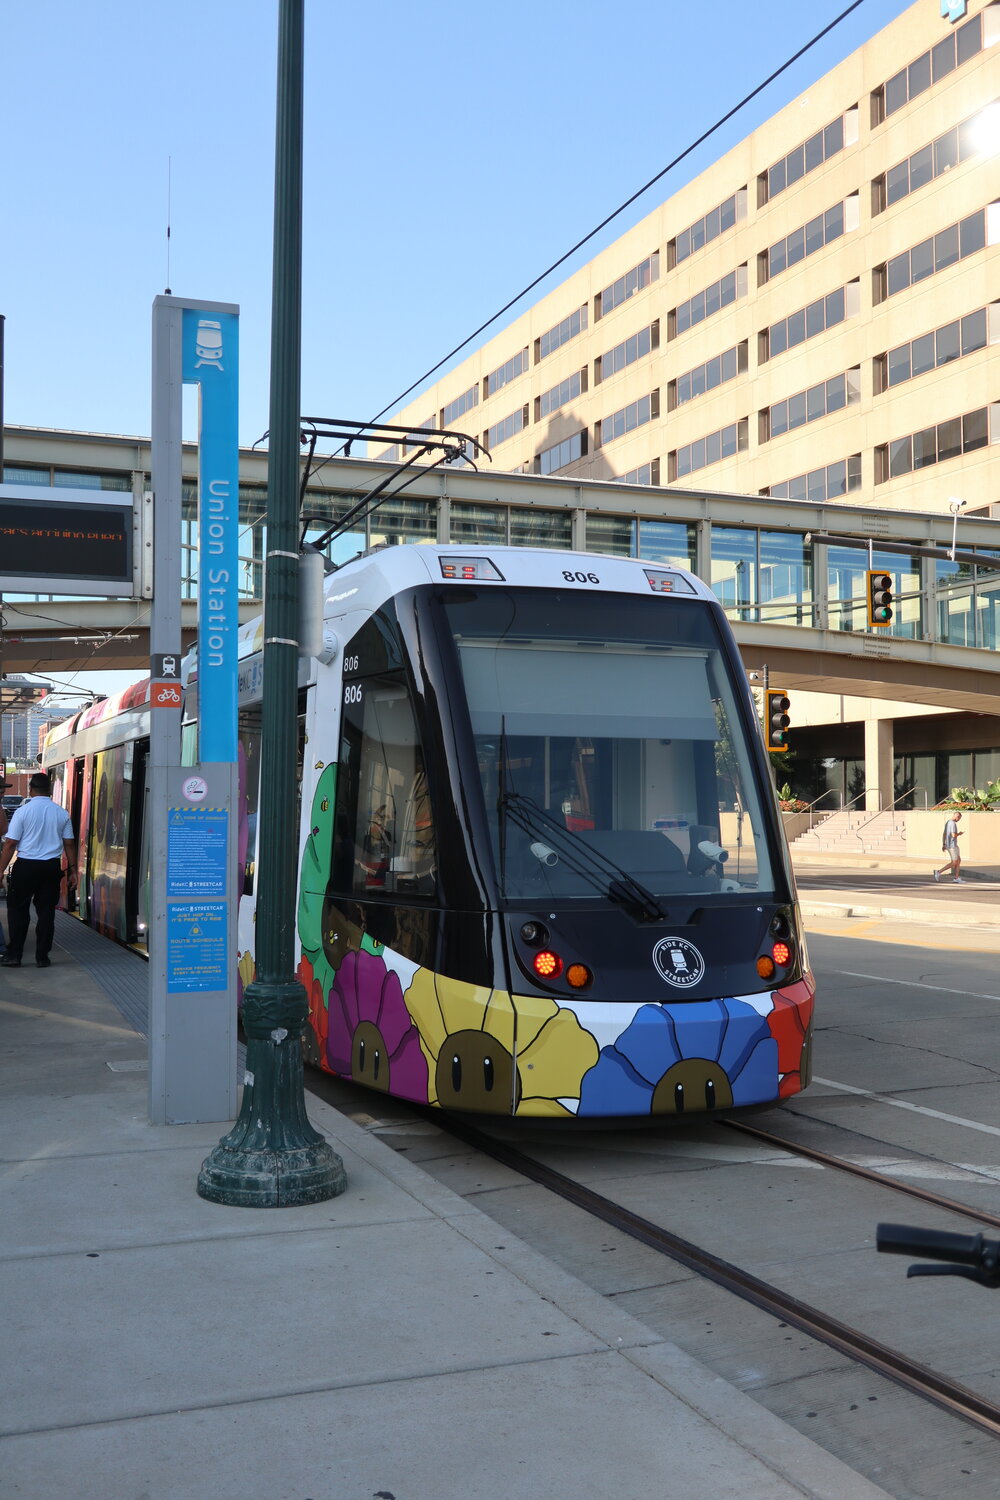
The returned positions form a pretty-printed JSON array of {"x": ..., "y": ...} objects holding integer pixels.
[
  {"x": 547, "y": 964},
  {"x": 578, "y": 976},
  {"x": 782, "y": 955}
]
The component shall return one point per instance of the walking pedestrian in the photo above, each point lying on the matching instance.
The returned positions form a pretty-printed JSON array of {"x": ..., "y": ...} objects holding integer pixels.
[
  {"x": 40, "y": 833},
  {"x": 949, "y": 844}
]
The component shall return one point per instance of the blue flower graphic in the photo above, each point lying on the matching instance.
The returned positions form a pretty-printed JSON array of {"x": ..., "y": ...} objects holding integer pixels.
[{"x": 728, "y": 1036}]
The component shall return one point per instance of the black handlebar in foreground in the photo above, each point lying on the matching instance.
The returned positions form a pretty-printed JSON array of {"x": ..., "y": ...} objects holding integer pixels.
[{"x": 969, "y": 1255}]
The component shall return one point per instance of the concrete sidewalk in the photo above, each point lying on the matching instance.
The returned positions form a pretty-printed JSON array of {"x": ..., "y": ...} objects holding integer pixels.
[
  {"x": 897, "y": 892},
  {"x": 392, "y": 1342}
]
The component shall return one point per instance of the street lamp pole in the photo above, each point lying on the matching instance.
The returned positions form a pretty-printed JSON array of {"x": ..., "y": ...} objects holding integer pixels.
[{"x": 273, "y": 1157}]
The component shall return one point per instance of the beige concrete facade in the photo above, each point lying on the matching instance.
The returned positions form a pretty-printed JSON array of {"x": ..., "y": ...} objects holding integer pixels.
[{"x": 850, "y": 176}]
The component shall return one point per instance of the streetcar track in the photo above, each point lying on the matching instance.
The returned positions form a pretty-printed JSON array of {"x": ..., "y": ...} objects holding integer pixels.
[
  {"x": 867, "y": 1174},
  {"x": 950, "y": 1395}
]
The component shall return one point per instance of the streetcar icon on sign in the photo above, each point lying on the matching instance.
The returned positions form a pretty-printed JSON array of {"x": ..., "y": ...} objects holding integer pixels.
[{"x": 208, "y": 343}]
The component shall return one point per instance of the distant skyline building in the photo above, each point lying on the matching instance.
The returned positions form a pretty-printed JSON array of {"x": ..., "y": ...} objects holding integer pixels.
[
  {"x": 811, "y": 317},
  {"x": 22, "y": 725}
]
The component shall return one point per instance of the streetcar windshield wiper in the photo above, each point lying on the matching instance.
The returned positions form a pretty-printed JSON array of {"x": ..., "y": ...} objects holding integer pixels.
[{"x": 589, "y": 863}]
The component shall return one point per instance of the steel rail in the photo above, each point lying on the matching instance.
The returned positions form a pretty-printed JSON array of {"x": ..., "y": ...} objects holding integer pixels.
[
  {"x": 950, "y": 1205},
  {"x": 951, "y": 1395}
]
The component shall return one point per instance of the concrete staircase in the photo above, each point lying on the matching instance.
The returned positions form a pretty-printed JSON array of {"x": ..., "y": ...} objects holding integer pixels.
[{"x": 855, "y": 832}]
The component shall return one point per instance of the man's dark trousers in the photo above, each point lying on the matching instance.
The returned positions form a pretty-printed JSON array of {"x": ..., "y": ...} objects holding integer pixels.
[{"x": 30, "y": 880}]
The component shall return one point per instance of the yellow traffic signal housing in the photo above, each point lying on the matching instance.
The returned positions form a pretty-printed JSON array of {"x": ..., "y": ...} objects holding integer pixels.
[
  {"x": 776, "y": 720},
  {"x": 878, "y": 595}
]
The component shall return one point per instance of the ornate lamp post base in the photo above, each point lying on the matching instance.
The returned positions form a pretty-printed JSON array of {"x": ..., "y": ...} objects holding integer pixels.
[{"x": 272, "y": 1157}]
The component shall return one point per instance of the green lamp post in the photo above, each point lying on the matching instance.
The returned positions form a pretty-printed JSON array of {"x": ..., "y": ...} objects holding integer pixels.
[{"x": 273, "y": 1157}]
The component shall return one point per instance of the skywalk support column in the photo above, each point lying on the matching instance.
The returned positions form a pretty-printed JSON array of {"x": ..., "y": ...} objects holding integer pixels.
[
  {"x": 879, "y": 764},
  {"x": 273, "y": 1157}
]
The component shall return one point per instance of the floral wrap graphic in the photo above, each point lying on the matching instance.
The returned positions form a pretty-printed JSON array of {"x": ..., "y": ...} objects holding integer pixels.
[
  {"x": 721, "y": 1054},
  {"x": 371, "y": 1037},
  {"x": 790, "y": 1023}
]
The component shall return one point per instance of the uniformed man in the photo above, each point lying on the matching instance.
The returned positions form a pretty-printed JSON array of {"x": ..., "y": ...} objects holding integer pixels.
[{"x": 40, "y": 833}]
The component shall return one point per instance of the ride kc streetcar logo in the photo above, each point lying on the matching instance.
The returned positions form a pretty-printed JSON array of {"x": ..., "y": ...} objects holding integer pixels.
[{"x": 678, "y": 962}]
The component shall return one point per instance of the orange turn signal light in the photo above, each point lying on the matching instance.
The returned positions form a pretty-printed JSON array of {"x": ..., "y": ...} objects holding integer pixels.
[
  {"x": 765, "y": 966},
  {"x": 578, "y": 976},
  {"x": 548, "y": 964}
]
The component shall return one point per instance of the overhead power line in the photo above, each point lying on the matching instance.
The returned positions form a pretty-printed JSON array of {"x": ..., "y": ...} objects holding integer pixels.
[{"x": 723, "y": 119}]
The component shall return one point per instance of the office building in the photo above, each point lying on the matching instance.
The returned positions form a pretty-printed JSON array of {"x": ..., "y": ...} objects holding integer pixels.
[{"x": 811, "y": 317}]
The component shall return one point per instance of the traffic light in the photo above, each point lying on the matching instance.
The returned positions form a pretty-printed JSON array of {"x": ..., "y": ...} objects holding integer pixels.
[
  {"x": 879, "y": 598},
  {"x": 776, "y": 720}
]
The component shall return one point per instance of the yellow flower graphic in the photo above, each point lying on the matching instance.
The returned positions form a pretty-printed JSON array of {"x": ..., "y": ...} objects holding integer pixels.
[{"x": 487, "y": 1051}]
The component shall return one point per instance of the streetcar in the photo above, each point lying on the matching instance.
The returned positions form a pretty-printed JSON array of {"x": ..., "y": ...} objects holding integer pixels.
[{"x": 541, "y": 867}]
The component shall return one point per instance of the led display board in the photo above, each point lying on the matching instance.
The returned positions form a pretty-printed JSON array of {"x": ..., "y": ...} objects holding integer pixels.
[{"x": 66, "y": 541}]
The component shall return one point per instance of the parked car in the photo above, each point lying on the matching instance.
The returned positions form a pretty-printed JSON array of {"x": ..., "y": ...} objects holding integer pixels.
[{"x": 9, "y": 803}]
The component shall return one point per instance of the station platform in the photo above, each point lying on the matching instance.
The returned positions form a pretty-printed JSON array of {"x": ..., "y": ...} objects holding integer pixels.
[{"x": 393, "y": 1342}]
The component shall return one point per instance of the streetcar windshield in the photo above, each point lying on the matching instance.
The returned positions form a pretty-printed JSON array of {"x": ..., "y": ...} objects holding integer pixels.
[{"x": 608, "y": 744}]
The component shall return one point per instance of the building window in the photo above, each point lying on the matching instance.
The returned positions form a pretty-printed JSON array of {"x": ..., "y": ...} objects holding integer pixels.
[
  {"x": 956, "y": 145},
  {"x": 935, "y": 254},
  {"x": 942, "y": 347},
  {"x": 413, "y": 438},
  {"x": 626, "y": 286},
  {"x": 507, "y": 428},
  {"x": 707, "y": 302},
  {"x": 708, "y": 450},
  {"x": 706, "y": 377},
  {"x": 821, "y": 484},
  {"x": 389, "y": 455},
  {"x": 826, "y": 312},
  {"x": 460, "y": 405},
  {"x": 636, "y": 414},
  {"x": 704, "y": 230},
  {"x": 505, "y": 373},
  {"x": 85, "y": 479},
  {"x": 644, "y": 474},
  {"x": 561, "y": 334},
  {"x": 808, "y": 406},
  {"x": 557, "y": 395},
  {"x": 808, "y": 239},
  {"x": 808, "y": 156},
  {"x": 930, "y": 67},
  {"x": 561, "y": 454},
  {"x": 627, "y": 352},
  {"x": 936, "y": 444}
]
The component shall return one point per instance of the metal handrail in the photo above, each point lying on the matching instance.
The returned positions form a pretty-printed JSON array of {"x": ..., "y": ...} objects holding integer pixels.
[
  {"x": 831, "y": 791},
  {"x": 891, "y": 808}
]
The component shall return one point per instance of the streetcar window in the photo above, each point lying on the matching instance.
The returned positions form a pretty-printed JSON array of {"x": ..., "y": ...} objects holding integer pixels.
[
  {"x": 616, "y": 717},
  {"x": 384, "y": 840}
]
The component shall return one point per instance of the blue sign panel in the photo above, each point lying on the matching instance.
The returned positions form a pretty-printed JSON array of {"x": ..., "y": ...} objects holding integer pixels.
[
  {"x": 197, "y": 839},
  {"x": 953, "y": 10},
  {"x": 197, "y": 947},
  {"x": 211, "y": 360}
]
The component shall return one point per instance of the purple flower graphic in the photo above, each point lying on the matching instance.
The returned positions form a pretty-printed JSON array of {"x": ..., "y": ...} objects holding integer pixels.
[{"x": 371, "y": 1037}]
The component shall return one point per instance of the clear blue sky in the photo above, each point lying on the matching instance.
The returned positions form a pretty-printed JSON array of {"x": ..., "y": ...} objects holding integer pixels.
[{"x": 452, "y": 152}]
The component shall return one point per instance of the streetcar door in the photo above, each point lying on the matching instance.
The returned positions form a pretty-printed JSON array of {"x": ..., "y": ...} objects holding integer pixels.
[{"x": 137, "y": 877}]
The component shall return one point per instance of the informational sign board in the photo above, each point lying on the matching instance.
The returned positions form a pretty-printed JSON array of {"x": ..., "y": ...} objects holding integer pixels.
[
  {"x": 69, "y": 541},
  {"x": 193, "y": 1030},
  {"x": 195, "y": 885}
]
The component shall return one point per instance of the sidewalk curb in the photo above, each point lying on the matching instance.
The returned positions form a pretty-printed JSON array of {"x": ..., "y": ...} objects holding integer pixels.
[{"x": 937, "y": 916}]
